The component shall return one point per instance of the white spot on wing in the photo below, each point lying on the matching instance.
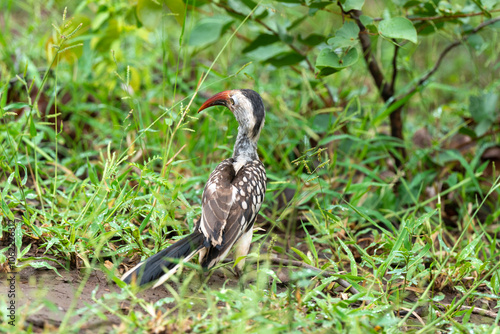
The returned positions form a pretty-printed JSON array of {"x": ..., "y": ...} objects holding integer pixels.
[{"x": 212, "y": 188}]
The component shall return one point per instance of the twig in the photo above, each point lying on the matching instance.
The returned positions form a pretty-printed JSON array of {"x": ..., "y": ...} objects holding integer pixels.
[
  {"x": 415, "y": 314},
  {"x": 373, "y": 67},
  {"x": 385, "y": 88},
  {"x": 475, "y": 310},
  {"x": 442, "y": 17},
  {"x": 442, "y": 55},
  {"x": 394, "y": 66},
  {"x": 175, "y": 155}
]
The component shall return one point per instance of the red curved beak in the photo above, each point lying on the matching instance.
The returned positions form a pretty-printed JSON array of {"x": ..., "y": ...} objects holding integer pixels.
[{"x": 219, "y": 99}]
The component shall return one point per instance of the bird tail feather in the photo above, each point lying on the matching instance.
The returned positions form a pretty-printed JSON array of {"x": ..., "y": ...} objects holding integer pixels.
[{"x": 165, "y": 263}]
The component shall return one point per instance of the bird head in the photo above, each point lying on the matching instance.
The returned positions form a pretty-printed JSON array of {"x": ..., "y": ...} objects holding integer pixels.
[{"x": 247, "y": 107}]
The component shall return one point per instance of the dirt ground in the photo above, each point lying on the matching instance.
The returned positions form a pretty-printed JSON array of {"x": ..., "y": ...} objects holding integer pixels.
[{"x": 58, "y": 293}]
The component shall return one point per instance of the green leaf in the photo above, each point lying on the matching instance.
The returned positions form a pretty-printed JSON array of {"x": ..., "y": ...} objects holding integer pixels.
[
  {"x": 467, "y": 315},
  {"x": 366, "y": 20},
  {"x": 352, "y": 261},
  {"x": 477, "y": 43},
  {"x": 398, "y": 27},
  {"x": 44, "y": 264},
  {"x": 438, "y": 297},
  {"x": 483, "y": 110},
  {"x": 3, "y": 94},
  {"x": 146, "y": 220},
  {"x": 51, "y": 242},
  {"x": 466, "y": 131},
  {"x": 312, "y": 39},
  {"x": 495, "y": 282},
  {"x": 348, "y": 5},
  {"x": 18, "y": 174},
  {"x": 178, "y": 8},
  {"x": 249, "y": 3},
  {"x": 469, "y": 249},
  {"x": 18, "y": 238},
  {"x": 285, "y": 59},
  {"x": 329, "y": 62},
  {"x": 25, "y": 250},
  {"x": 302, "y": 255},
  {"x": 8, "y": 183},
  {"x": 16, "y": 105},
  {"x": 92, "y": 174},
  {"x": 271, "y": 273},
  {"x": 32, "y": 128},
  {"x": 369, "y": 23},
  {"x": 99, "y": 19},
  {"x": 208, "y": 30},
  {"x": 311, "y": 245},
  {"x": 238, "y": 260},
  {"x": 317, "y": 290},
  {"x": 5, "y": 210},
  {"x": 346, "y": 36},
  {"x": 261, "y": 40},
  {"x": 421, "y": 254},
  {"x": 482, "y": 127},
  {"x": 395, "y": 247},
  {"x": 149, "y": 13}
]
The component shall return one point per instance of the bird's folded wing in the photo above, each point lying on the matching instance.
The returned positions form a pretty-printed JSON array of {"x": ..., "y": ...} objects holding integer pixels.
[
  {"x": 231, "y": 202},
  {"x": 217, "y": 201},
  {"x": 248, "y": 188}
]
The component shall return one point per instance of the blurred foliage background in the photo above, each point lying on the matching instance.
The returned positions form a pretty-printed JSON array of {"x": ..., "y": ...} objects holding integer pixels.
[{"x": 380, "y": 115}]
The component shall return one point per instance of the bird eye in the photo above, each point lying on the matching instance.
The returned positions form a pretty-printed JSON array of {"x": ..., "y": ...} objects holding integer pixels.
[{"x": 231, "y": 100}]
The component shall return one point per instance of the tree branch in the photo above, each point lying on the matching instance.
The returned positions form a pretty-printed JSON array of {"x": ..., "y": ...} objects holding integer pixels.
[
  {"x": 443, "y": 17},
  {"x": 476, "y": 310},
  {"x": 394, "y": 66},
  {"x": 385, "y": 88},
  {"x": 450, "y": 47},
  {"x": 373, "y": 67}
]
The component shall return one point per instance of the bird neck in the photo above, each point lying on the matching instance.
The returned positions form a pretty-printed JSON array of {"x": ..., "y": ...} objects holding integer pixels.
[{"x": 245, "y": 147}]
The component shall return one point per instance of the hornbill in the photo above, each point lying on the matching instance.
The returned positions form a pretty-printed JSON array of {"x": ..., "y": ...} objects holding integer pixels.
[{"x": 230, "y": 203}]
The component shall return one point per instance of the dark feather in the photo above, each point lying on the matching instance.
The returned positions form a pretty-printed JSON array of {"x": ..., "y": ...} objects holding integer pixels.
[
  {"x": 217, "y": 198},
  {"x": 258, "y": 108},
  {"x": 155, "y": 266}
]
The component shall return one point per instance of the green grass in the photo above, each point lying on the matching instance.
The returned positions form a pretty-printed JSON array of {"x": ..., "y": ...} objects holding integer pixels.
[{"x": 104, "y": 158}]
